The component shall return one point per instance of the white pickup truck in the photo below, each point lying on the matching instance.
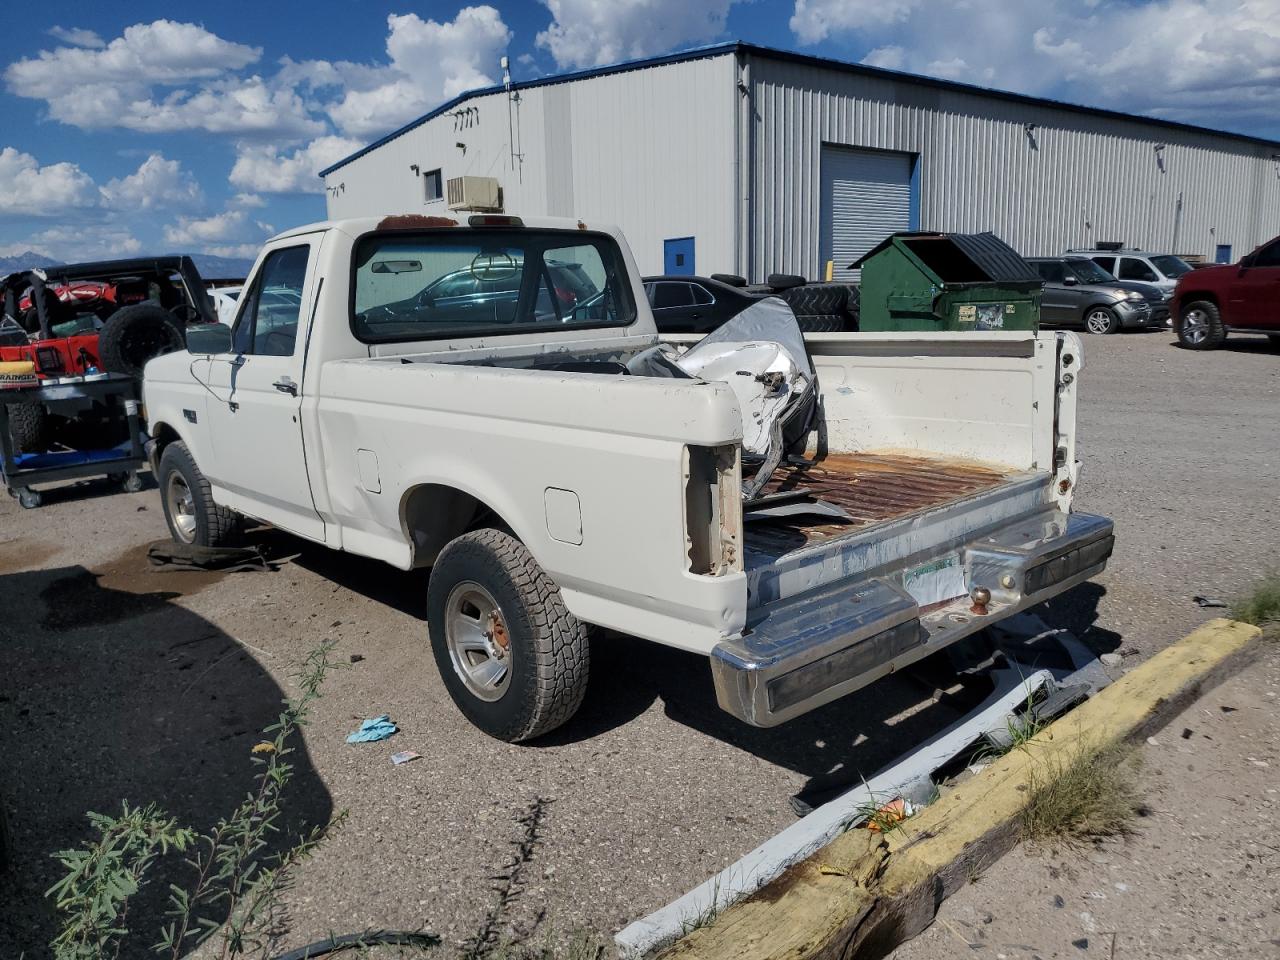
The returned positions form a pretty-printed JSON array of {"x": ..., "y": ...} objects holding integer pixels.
[{"x": 490, "y": 398}]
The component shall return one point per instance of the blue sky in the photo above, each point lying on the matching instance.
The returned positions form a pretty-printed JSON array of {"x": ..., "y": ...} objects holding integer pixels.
[{"x": 147, "y": 127}]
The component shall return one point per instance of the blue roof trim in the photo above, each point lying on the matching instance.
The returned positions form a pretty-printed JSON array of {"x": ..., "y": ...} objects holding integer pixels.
[{"x": 774, "y": 53}]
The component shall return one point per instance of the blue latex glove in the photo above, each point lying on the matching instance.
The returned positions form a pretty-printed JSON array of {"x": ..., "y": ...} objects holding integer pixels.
[{"x": 379, "y": 728}]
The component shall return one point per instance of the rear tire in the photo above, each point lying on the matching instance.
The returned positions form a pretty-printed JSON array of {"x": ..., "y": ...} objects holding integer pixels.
[
  {"x": 1101, "y": 320},
  {"x": 513, "y": 658},
  {"x": 1199, "y": 326},
  {"x": 189, "y": 509},
  {"x": 29, "y": 427},
  {"x": 137, "y": 334}
]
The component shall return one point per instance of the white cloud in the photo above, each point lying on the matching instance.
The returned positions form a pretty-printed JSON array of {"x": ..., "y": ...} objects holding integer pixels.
[
  {"x": 156, "y": 184},
  {"x": 815, "y": 20},
  {"x": 1210, "y": 62},
  {"x": 72, "y": 243},
  {"x": 429, "y": 62},
  {"x": 587, "y": 33},
  {"x": 26, "y": 188},
  {"x": 891, "y": 57},
  {"x": 268, "y": 170},
  {"x": 227, "y": 234},
  {"x": 247, "y": 200},
  {"x": 77, "y": 37},
  {"x": 161, "y": 77}
]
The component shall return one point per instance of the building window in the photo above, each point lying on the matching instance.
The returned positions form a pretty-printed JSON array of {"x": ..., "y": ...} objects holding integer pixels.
[{"x": 432, "y": 186}]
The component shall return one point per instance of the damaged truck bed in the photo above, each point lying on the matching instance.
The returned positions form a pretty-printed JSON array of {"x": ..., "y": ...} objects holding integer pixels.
[{"x": 492, "y": 400}]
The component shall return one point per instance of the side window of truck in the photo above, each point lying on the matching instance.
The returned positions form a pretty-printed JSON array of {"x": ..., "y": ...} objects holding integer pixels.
[
  {"x": 269, "y": 314},
  {"x": 1268, "y": 256}
]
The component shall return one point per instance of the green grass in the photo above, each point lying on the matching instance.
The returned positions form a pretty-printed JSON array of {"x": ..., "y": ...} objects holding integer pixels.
[
  {"x": 1262, "y": 606},
  {"x": 1094, "y": 794}
]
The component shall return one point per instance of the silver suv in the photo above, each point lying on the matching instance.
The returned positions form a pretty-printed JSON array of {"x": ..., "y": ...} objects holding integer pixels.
[
  {"x": 1161, "y": 269},
  {"x": 1077, "y": 292}
]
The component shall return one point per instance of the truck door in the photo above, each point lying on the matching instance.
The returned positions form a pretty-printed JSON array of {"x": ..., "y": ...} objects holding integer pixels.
[
  {"x": 254, "y": 422},
  {"x": 1255, "y": 293}
]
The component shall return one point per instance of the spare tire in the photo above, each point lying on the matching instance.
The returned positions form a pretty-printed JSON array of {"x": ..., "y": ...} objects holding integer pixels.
[
  {"x": 785, "y": 281},
  {"x": 137, "y": 334},
  {"x": 730, "y": 279},
  {"x": 823, "y": 323},
  {"x": 29, "y": 427},
  {"x": 817, "y": 299}
]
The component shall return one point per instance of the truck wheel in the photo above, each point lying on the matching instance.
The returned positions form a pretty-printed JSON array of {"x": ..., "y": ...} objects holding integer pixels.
[
  {"x": 189, "y": 509},
  {"x": 137, "y": 334},
  {"x": 1199, "y": 326},
  {"x": 513, "y": 659},
  {"x": 29, "y": 427},
  {"x": 1101, "y": 320}
]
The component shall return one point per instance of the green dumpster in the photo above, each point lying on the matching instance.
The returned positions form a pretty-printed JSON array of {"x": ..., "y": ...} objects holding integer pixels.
[{"x": 947, "y": 281}]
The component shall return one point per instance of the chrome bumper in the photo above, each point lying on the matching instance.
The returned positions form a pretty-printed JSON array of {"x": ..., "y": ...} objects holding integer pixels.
[{"x": 803, "y": 652}]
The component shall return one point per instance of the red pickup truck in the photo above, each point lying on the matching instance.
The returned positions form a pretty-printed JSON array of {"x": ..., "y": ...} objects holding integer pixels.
[{"x": 1239, "y": 297}]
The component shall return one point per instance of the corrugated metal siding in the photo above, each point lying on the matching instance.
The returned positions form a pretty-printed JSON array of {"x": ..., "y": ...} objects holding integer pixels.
[
  {"x": 651, "y": 150},
  {"x": 1074, "y": 180}
]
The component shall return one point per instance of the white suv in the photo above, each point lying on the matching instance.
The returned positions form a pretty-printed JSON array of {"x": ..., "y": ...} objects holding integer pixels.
[{"x": 1161, "y": 269}]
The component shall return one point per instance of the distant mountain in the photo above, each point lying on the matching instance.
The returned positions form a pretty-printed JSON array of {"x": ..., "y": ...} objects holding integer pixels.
[
  {"x": 221, "y": 268},
  {"x": 25, "y": 261},
  {"x": 210, "y": 267}
]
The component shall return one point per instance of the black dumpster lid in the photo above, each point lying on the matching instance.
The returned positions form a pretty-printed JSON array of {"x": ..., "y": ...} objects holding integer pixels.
[{"x": 999, "y": 261}]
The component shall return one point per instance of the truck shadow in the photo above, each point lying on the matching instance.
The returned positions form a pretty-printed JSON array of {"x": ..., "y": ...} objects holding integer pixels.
[
  {"x": 857, "y": 734},
  {"x": 121, "y": 694}
]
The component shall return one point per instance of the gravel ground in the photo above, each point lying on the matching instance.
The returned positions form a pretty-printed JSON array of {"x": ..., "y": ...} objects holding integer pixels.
[{"x": 126, "y": 683}]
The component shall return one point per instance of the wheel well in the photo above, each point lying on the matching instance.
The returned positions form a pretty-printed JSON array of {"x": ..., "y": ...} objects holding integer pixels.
[
  {"x": 434, "y": 514},
  {"x": 163, "y": 434},
  {"x": 1195, "y": 295}
]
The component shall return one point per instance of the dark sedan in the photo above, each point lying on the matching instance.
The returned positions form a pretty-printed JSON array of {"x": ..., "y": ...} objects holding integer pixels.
[{"x": 683, "y": 304}]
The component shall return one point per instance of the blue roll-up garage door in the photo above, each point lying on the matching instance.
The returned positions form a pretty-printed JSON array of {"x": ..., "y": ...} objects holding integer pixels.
[{"x": 866, "y": 195}]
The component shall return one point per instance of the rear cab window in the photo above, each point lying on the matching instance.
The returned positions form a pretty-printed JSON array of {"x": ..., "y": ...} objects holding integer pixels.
[{"x": 438, "y": 284}]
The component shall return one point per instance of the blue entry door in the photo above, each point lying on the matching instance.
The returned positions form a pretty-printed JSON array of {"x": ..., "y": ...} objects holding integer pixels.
[
  {"x": 677, "y": 256},
  {"x": 1223, "y": 253}
]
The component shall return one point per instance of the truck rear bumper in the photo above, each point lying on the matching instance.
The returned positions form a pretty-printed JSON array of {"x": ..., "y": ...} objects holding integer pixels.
[{"x": 805, "y": 651}]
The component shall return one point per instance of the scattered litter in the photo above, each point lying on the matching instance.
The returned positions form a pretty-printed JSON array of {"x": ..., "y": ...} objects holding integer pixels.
[
  {"x": 829, "y": 871},
  {"x": 140, "y": 510},
  {"x": 378, "y": 728},
  {"x": 1122, "y": 887},
  {"x": 1152, "y": 742},
  {"x": 1111, "y": 659},
  {"x": 1186, "y": 733},
  {"x": 1209, "y": 602},
  {"x": 357, "y": 657},
  {"x": 404, "y": 756},
  {"x": 188, "y": 556},
  {"x": 1257, "y": 763},
  {"x": 889, "y": 815},
  {"x": 1226, "y": 709}
]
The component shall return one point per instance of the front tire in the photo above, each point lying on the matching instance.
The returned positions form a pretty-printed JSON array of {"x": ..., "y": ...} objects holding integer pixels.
[
  {"x": 513, "y": 658},
  {"x": 1101, "y": 320},
  {"x": 1199, "y": 326},
  {"x": 189, "y": 510}
]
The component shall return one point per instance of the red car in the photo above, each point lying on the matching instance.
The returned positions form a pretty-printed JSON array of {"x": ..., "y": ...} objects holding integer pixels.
[{"x": 1243, "y": 297}]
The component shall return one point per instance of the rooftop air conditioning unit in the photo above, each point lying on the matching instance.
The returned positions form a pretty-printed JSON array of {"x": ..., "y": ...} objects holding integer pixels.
[{"x": 475, "y": 193}]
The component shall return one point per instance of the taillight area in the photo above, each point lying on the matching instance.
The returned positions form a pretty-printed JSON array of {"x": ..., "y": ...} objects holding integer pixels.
[
  {"x": 713, "y": 509},
  {"x": 49, "y": 361}
]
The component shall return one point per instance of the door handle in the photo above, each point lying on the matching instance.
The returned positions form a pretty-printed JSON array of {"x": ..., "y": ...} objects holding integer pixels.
[{"x": 286, "y": 385}]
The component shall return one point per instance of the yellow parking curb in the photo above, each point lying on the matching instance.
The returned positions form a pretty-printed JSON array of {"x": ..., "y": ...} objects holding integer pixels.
[{"x": 864, "y": 893}]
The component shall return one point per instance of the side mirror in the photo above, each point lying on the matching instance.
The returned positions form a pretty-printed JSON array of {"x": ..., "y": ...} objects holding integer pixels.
[
  {"x": 1069, "y": 281},
  {"x": 208, "y": 338}
]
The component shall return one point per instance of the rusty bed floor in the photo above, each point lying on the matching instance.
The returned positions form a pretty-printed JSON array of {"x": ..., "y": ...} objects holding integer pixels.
[{"x": 871, "y": 488}]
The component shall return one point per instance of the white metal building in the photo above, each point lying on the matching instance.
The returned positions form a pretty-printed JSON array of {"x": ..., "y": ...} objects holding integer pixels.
[{"x": 736, "y": 158}]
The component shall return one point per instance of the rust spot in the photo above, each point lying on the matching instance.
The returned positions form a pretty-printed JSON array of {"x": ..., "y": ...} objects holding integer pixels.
[
  {"x": 414, "y": 221},
  {"x": 1064, "y": 486},
  {"x": 498, "y": 630}
]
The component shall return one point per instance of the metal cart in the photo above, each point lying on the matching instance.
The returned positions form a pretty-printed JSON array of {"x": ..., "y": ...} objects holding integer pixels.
[{"x": 121, "y": 463}]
